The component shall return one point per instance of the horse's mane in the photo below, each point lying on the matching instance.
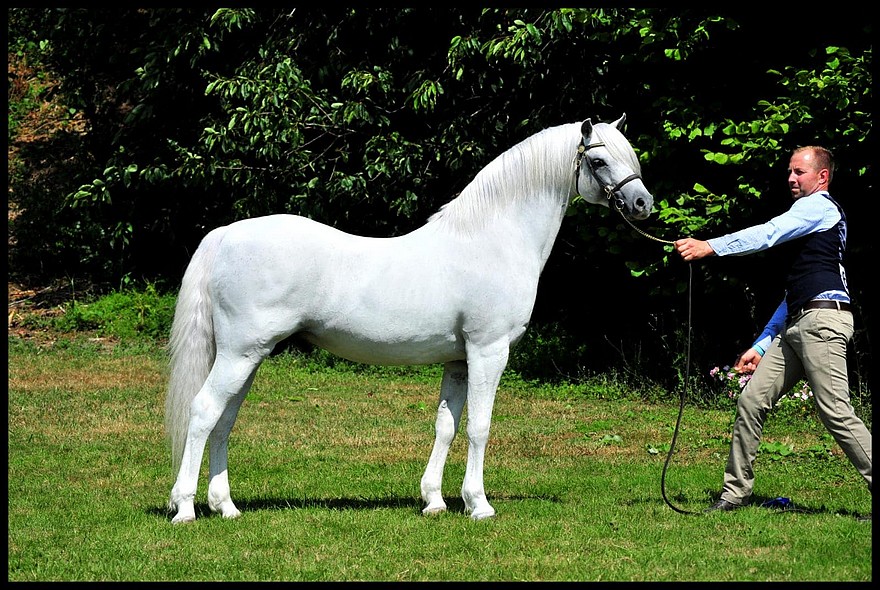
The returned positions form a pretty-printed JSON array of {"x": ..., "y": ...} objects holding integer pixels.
[{"x": 541, "y": 162}]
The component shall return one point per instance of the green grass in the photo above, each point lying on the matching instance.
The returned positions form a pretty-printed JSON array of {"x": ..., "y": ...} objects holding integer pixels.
[{"x": 325, "y": 465}]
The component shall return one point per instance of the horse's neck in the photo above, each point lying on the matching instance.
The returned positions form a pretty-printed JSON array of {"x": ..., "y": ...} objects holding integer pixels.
[
  {"x": 540, "y": 186},
  {"x": 538, "y": 221},
  {"x": 519, "y": 199}
]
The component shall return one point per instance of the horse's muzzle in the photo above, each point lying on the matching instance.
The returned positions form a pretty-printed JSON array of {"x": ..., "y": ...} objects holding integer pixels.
[{"x": 641, "y": 207}]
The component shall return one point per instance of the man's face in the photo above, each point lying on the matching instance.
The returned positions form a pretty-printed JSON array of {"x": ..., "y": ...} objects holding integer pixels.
[{"x": 803, "y": 177}]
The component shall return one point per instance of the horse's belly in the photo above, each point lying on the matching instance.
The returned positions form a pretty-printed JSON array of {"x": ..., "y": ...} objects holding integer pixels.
[{"x": 389, "y": 350}]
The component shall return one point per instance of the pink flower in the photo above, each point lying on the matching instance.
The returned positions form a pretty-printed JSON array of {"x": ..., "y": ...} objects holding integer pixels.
[{"x": 734, "y": 382}]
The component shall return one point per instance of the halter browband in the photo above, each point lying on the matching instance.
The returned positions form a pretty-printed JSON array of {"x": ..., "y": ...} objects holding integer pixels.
[{"x": 609, "y": 190}]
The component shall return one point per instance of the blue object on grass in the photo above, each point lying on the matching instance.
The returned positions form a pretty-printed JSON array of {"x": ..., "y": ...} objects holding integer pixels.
[{"x": 777, "y": 503}]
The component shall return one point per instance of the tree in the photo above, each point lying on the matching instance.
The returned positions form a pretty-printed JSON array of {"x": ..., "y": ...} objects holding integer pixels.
[{"x": 369, "y": 119}]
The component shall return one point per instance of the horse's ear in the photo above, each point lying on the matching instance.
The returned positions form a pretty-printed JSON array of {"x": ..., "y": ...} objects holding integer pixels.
[
  {"x": 587, "y": 129},
  {"x": 620, "y": 123}
]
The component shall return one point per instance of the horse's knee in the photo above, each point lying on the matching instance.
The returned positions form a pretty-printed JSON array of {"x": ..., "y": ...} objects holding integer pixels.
[{"x": 478, "y": 436}]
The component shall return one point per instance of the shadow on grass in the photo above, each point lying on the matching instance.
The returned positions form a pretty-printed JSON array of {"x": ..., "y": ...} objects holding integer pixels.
[
  {"x": 453, "y": 505},
  {"x": 755, "y": 502},
  {"x": 456, "y": 505}
]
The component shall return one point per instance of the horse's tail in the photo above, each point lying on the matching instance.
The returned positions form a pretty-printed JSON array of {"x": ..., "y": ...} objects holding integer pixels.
[{"x": 191, "y": 345}]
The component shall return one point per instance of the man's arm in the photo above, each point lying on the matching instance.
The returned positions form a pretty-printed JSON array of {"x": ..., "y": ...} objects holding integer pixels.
[{"x": 748, "y": 360}]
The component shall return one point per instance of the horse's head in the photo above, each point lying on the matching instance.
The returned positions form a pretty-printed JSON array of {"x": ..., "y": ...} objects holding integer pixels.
[{"x": 608, "y": 171}]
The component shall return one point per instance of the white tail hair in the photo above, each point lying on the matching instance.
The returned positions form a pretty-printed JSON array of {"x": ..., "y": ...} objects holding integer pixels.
[{"x": 191, "y": 345}]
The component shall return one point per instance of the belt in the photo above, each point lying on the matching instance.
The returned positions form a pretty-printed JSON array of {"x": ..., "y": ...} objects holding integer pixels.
[{"x": 827, "y": 304}]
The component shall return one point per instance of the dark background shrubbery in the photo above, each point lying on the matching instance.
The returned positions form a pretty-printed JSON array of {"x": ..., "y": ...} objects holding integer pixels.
[{"x": 135, "y": 131}]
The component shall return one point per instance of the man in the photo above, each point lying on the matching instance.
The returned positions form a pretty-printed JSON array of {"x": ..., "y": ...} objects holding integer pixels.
[{"x": 807, "y": 335}]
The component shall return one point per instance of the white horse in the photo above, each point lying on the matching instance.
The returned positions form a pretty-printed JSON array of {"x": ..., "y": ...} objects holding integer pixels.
[{"x": 458, "y": 290}]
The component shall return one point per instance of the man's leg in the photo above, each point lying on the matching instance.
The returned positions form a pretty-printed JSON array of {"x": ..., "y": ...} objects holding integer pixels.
[
  {"x": 779, "y": 369},
  {"x": 822, "y": 335}
]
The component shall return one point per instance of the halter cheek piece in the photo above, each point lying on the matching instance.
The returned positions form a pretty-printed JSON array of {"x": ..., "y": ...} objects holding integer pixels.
[{"x": 609, "y": 190}]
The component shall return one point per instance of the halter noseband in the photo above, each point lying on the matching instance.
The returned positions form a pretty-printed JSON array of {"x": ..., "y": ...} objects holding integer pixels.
[{"x": 609, "y": 190}]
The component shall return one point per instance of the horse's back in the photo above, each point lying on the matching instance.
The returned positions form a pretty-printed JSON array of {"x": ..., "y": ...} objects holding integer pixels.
[
  {"x": 366, "y": 299},
  {"x": 281, "y": 229}
]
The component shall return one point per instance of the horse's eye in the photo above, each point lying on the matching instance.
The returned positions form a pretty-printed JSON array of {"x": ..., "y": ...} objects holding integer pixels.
[{"x": 598, "y": 162}]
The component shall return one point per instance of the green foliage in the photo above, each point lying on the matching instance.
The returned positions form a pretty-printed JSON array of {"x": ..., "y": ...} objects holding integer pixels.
[
  {"x": 23, "y": 99},
  {"x": 546, "y": 351},
  {"x": 369, "y": 119},
  {"x": 128, "y": 314},
  {"x": 822, "y": 449},
  {"x": 775, "y": 450},
  {"x": 842, "y": 84},
  {"x": 25, "y": 94}
]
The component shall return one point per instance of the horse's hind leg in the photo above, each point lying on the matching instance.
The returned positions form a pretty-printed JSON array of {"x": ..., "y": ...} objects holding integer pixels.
[
  {"x": 453, "y": 392},
  {"x": 219, "y": 494},
  {"x": 216, "y": 404}
]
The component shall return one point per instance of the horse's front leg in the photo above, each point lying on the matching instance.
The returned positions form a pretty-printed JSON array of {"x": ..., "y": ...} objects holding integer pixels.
[
  {"x": 484, "y": 374},
  {"x": 453, "y": 392}
]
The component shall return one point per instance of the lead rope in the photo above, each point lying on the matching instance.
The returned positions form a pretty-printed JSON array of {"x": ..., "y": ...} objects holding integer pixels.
[
  {"x": 687, "y": 369},
  {"x": 618, "y": 206},
  {"x": 687, "y": 379}
]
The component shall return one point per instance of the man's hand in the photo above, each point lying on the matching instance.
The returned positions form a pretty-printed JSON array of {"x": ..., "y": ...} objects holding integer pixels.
[
  {"x": 747, "y": 362},
  {"x": 692, "y": 249}
]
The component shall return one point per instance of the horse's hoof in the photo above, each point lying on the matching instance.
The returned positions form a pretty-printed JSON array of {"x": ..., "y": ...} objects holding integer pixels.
[
  {"x": 226, "y": 509},
  {"x": 434, "y": 510},
  {"x": 231, "y": 513},
  {"x": 182, "y": 518},
  {"x": 483, "y": 514}
]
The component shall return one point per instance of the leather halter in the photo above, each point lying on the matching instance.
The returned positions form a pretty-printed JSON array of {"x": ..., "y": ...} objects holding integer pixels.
[{"x": 609, "y": 190}]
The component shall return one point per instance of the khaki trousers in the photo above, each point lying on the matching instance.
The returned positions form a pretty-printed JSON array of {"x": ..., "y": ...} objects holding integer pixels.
[{"x": 812, "y": 345}]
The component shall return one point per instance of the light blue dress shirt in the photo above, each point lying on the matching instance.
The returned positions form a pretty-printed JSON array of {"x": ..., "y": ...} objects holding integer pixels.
[{"x": 807, "y": 215}]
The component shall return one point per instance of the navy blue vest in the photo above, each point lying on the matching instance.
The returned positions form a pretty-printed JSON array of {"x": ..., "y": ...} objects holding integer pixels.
[{"x": 818, "y": 264}]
